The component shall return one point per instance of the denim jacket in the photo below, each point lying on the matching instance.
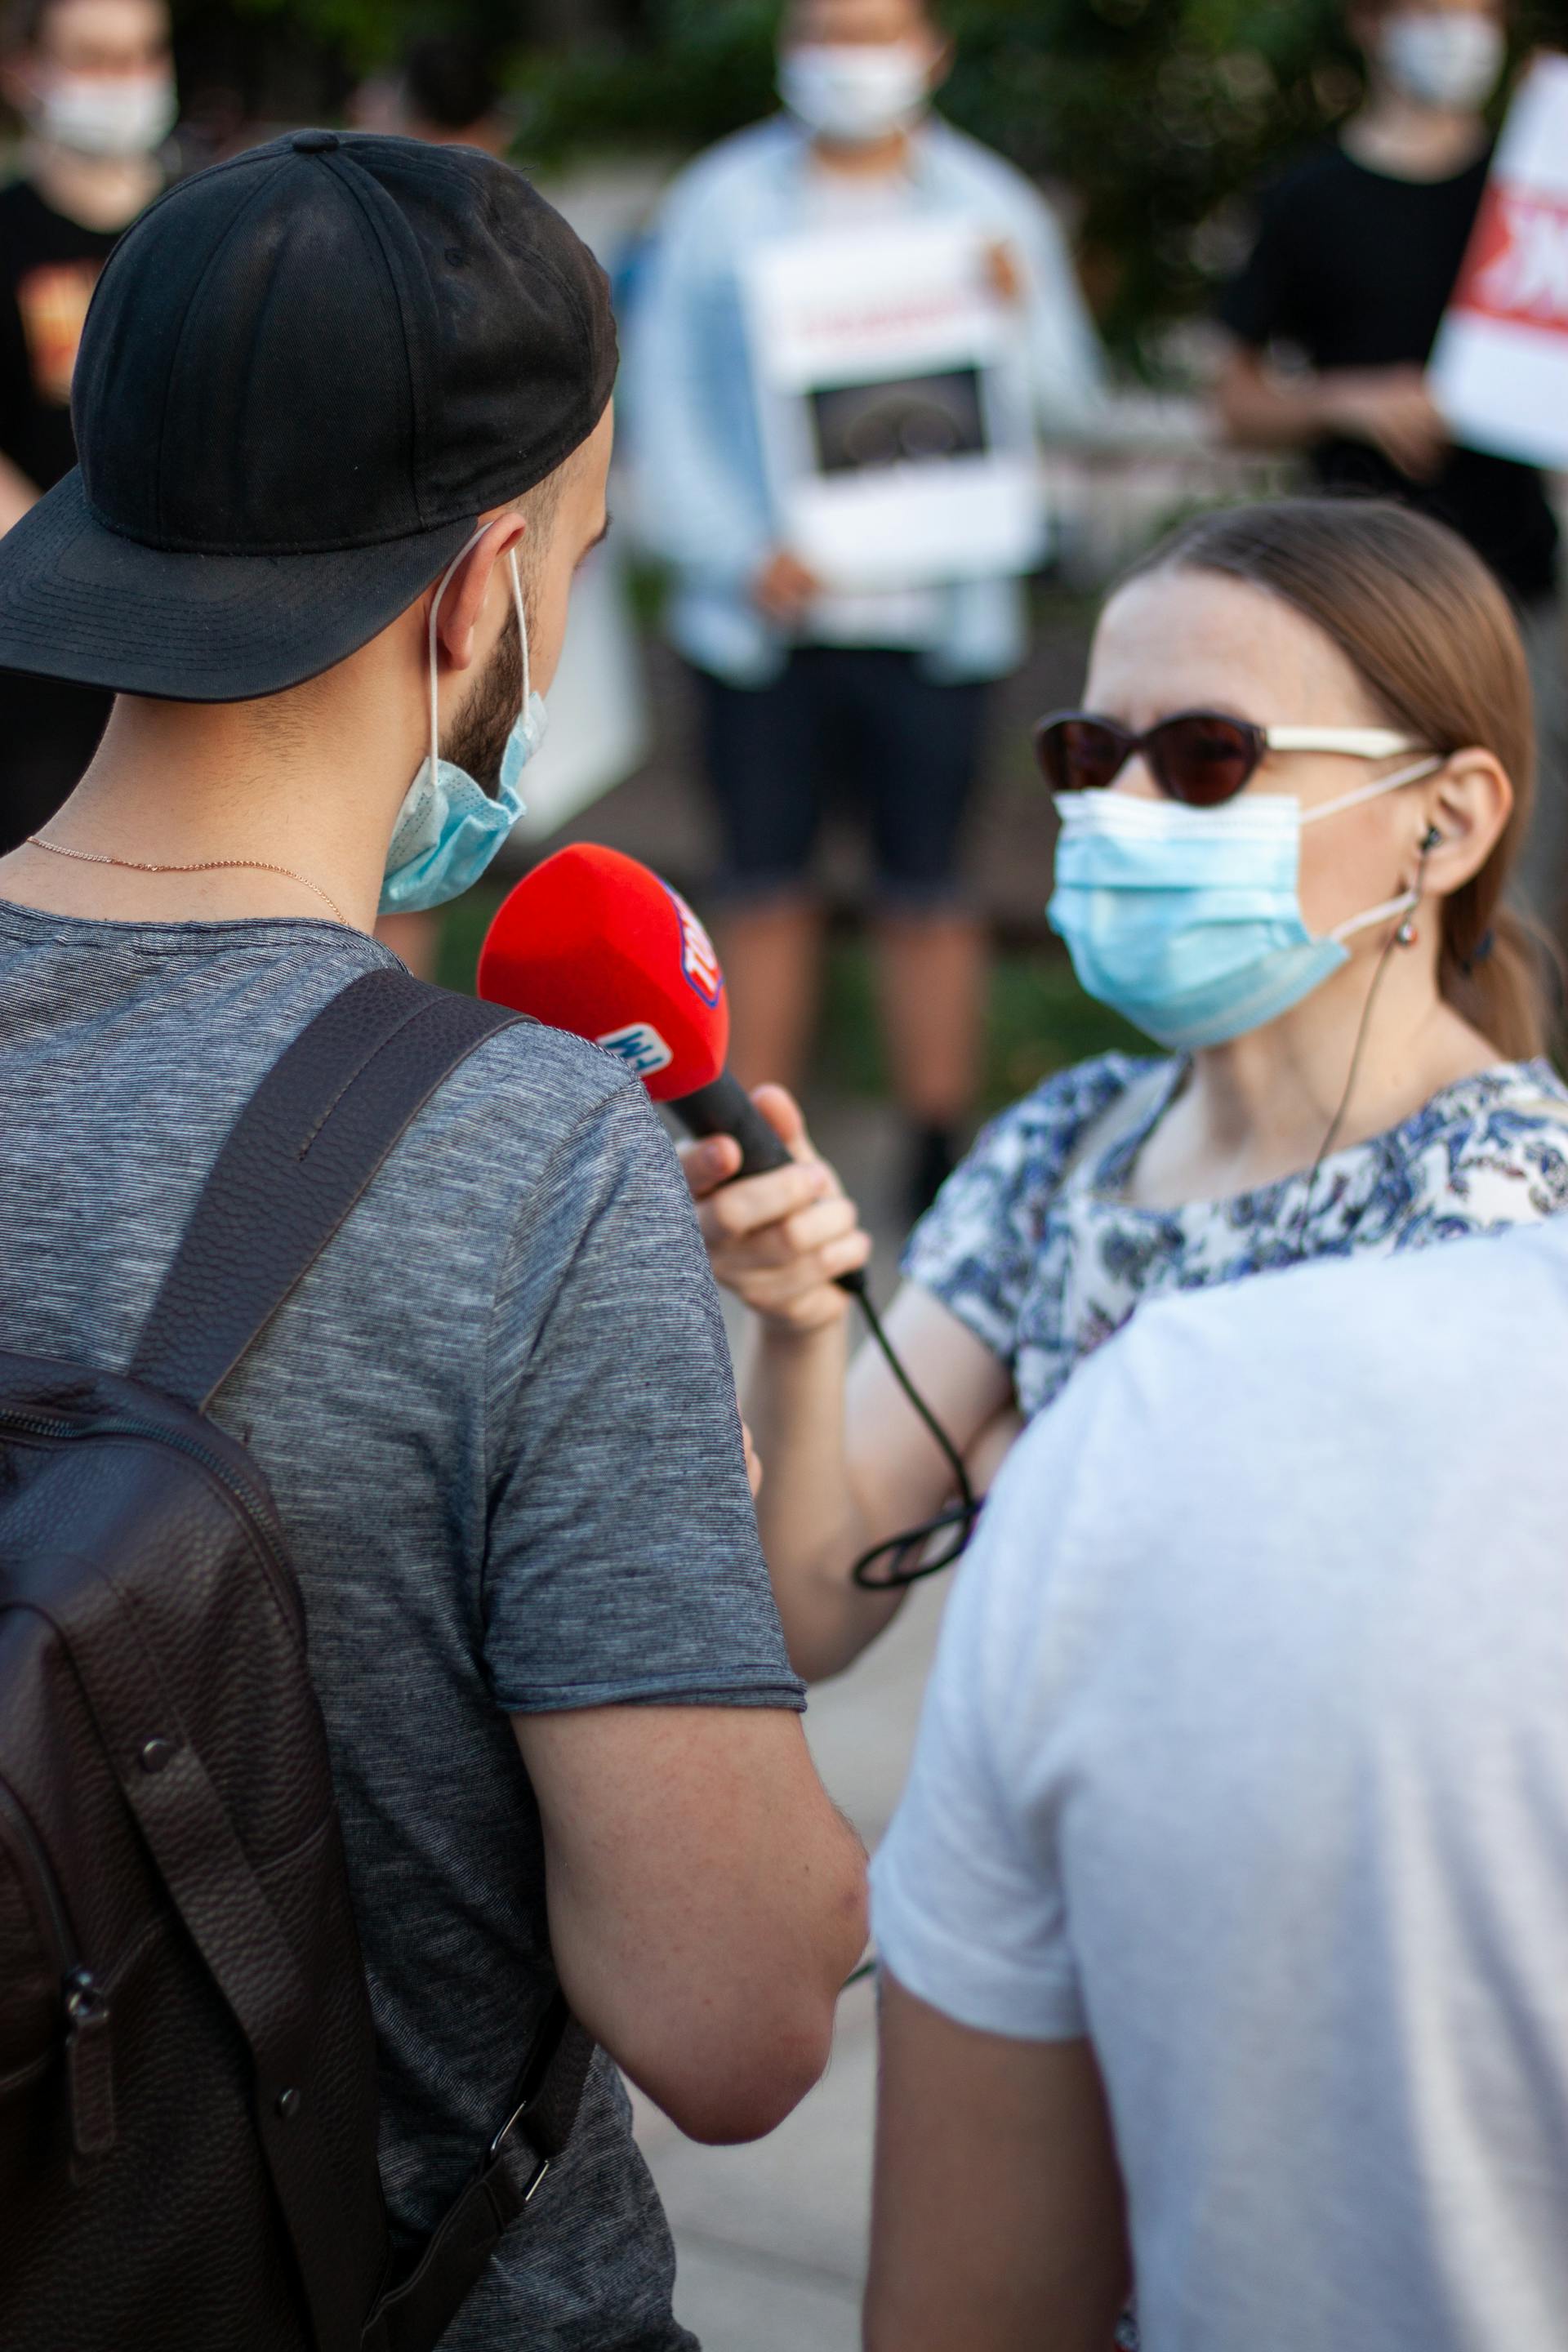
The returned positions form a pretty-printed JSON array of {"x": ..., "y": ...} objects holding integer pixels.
[{"x": 702, "y": 493}]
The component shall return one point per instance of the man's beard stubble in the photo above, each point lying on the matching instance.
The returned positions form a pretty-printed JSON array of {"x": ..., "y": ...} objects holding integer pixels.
[{"x": 478, "y": 737}]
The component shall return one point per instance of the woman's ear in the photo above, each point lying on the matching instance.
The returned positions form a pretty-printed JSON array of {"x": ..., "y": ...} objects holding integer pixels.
[{"x": 1468, "y": 805}]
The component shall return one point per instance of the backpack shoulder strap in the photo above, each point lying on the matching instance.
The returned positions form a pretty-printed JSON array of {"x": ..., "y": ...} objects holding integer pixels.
[
  {"x": 417, "y": 2313},
  {"x": 297, "y": 1158},
  {"x": 301, "y": 1153}
]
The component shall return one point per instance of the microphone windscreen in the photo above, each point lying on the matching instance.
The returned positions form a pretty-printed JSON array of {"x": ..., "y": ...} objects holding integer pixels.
[{"x": 595, "y": 942}]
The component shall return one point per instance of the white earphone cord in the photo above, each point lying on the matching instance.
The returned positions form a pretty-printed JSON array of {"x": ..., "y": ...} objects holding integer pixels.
[{"x": 1404, "y": 905}]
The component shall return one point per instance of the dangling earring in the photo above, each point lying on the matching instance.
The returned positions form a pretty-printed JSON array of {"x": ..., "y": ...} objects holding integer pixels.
[{"x": 1406, "y": 936}]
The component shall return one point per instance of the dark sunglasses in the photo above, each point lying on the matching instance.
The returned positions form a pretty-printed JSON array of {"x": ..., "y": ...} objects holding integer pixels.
[{"x": 1198, "y": 756}]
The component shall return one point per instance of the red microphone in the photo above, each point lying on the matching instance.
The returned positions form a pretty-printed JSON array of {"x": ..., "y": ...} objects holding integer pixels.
[{"x": 594, "y": 942}]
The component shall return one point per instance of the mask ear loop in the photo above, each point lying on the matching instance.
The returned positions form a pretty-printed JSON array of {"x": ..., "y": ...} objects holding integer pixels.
[
  {"x": 1405, "y": 904},
  {"x": 1407, "y": 900},
  {"x": 430, "y": 639},
  {"x": 521, "y": 629},
  {"x": 1374, "y": 791}
]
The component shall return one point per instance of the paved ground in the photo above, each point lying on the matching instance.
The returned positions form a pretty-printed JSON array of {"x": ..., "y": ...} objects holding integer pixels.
[{"x": 771, "y": 2239}]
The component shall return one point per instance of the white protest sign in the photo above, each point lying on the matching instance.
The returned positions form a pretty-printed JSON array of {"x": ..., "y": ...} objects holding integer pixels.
[
  {"x": 1500, "y": 369},
  {"x": 894, "y": 398}
]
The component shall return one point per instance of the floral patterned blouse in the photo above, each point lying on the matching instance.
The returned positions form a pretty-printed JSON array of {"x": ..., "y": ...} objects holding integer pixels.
[{"x": 1043, "y": 1270}]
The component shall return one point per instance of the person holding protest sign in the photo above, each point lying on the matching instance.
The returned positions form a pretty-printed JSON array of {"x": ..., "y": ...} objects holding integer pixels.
[
  {"x": 816, "y": 689},
  {"x": 1289, "y": 819},
  {"x": 1356, "y": 253}
]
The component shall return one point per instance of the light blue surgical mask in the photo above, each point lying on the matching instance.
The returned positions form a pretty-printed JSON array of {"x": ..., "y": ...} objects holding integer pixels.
[
  {"x": 449, "y": 828},
  {"x": 1188, "y": 921}
]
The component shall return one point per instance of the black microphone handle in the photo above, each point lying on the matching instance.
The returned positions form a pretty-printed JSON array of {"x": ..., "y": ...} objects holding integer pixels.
[{"x": 725, "y": 1108}]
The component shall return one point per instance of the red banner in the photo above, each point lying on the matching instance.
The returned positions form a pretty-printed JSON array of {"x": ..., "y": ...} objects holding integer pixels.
[{"x": 1517, "y": 266}]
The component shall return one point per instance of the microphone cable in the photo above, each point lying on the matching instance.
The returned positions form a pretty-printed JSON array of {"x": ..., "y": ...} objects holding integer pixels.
[
  {"x": 903, "y": 1552},
  {"x": 1402, "y": 936}
]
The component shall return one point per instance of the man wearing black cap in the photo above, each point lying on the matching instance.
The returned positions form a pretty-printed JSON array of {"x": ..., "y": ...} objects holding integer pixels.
[{"x": 343, "y": 413}]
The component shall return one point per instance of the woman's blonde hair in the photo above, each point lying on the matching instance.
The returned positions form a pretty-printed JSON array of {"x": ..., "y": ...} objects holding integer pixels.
[{"x": 1433, "y": 637}]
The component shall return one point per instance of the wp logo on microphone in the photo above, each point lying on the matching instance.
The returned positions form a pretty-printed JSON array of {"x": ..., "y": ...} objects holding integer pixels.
[
  {"x": 639, "y": 1046},
  {"x": 698, "y": 960}
]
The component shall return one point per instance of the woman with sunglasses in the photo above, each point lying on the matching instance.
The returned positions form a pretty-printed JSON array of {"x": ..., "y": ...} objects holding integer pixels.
[{"x": 1288, "y": 815}]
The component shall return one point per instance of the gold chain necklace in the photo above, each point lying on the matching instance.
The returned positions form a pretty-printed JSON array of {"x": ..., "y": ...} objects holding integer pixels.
[{"x": 203, "y": 865}]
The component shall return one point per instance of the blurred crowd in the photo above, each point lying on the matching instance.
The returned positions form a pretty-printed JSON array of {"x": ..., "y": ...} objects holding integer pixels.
[{"x": 814, "y": 698}]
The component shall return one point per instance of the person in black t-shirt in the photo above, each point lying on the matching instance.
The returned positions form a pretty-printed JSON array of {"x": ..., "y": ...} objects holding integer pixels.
[
  {"x": 1357, "y": 249},
  {"x": 93, "y": 81}
]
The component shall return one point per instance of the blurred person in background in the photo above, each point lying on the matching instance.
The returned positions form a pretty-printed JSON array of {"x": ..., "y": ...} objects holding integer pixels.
[
  {"x": 449, "y": 91},
  {"x": 801, "y": 687},
  {"x": 449, "y": 94},
  {"x": 1289, "y": 819},
  {"x": 1357, "y": 251},
  {"x": 94, "y": 81}
]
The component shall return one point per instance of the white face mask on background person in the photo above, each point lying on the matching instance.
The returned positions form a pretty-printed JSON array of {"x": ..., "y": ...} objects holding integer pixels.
[
  {"x": 118, "y": 116},
  {"x": 1449, "y": 60},
  {"x": 852, "y": 91}
]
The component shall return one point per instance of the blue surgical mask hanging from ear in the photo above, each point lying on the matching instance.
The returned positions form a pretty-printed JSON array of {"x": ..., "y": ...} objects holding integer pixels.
[
  {"x": 449, "y": 828},
  {"x": 1188, "y": 921}
]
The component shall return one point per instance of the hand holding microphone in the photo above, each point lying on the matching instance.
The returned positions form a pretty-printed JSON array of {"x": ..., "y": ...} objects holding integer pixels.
[
  {"x": 785, "y": 1241},
  {"x": 594, "y": 942}
]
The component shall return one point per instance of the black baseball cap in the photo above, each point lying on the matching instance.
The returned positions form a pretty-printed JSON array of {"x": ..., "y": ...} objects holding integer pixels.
[{"x": 305, "y": 373}]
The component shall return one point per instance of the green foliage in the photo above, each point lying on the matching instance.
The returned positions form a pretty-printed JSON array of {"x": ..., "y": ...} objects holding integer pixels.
[
  {"x": 359, "y": 37},
  {"x": 1153, "y": 113},
  {"x": 701, "y": 69},
  {"x": 1037, "y": 1020},
  {"x": 363, "y": 30},
  {"x": 1155, "y": 116}
]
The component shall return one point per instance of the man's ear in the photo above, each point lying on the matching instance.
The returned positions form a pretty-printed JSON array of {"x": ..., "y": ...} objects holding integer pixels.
[
  {"x": 1468, "y": 804},
  {"x": 471, "y": 585}
]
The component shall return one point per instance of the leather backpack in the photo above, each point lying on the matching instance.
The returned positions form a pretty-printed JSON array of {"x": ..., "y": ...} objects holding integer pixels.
[{"x": 187, "y": 2061}]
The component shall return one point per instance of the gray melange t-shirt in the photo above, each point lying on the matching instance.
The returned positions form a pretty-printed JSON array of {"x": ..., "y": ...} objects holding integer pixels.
[{"x": 498, "y": 1422}]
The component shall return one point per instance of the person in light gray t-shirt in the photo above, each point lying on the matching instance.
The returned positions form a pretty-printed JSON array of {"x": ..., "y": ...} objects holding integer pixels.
[
  {"x": 494, "y": 1420},
  {"x": 1231, "y": 1880}
]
